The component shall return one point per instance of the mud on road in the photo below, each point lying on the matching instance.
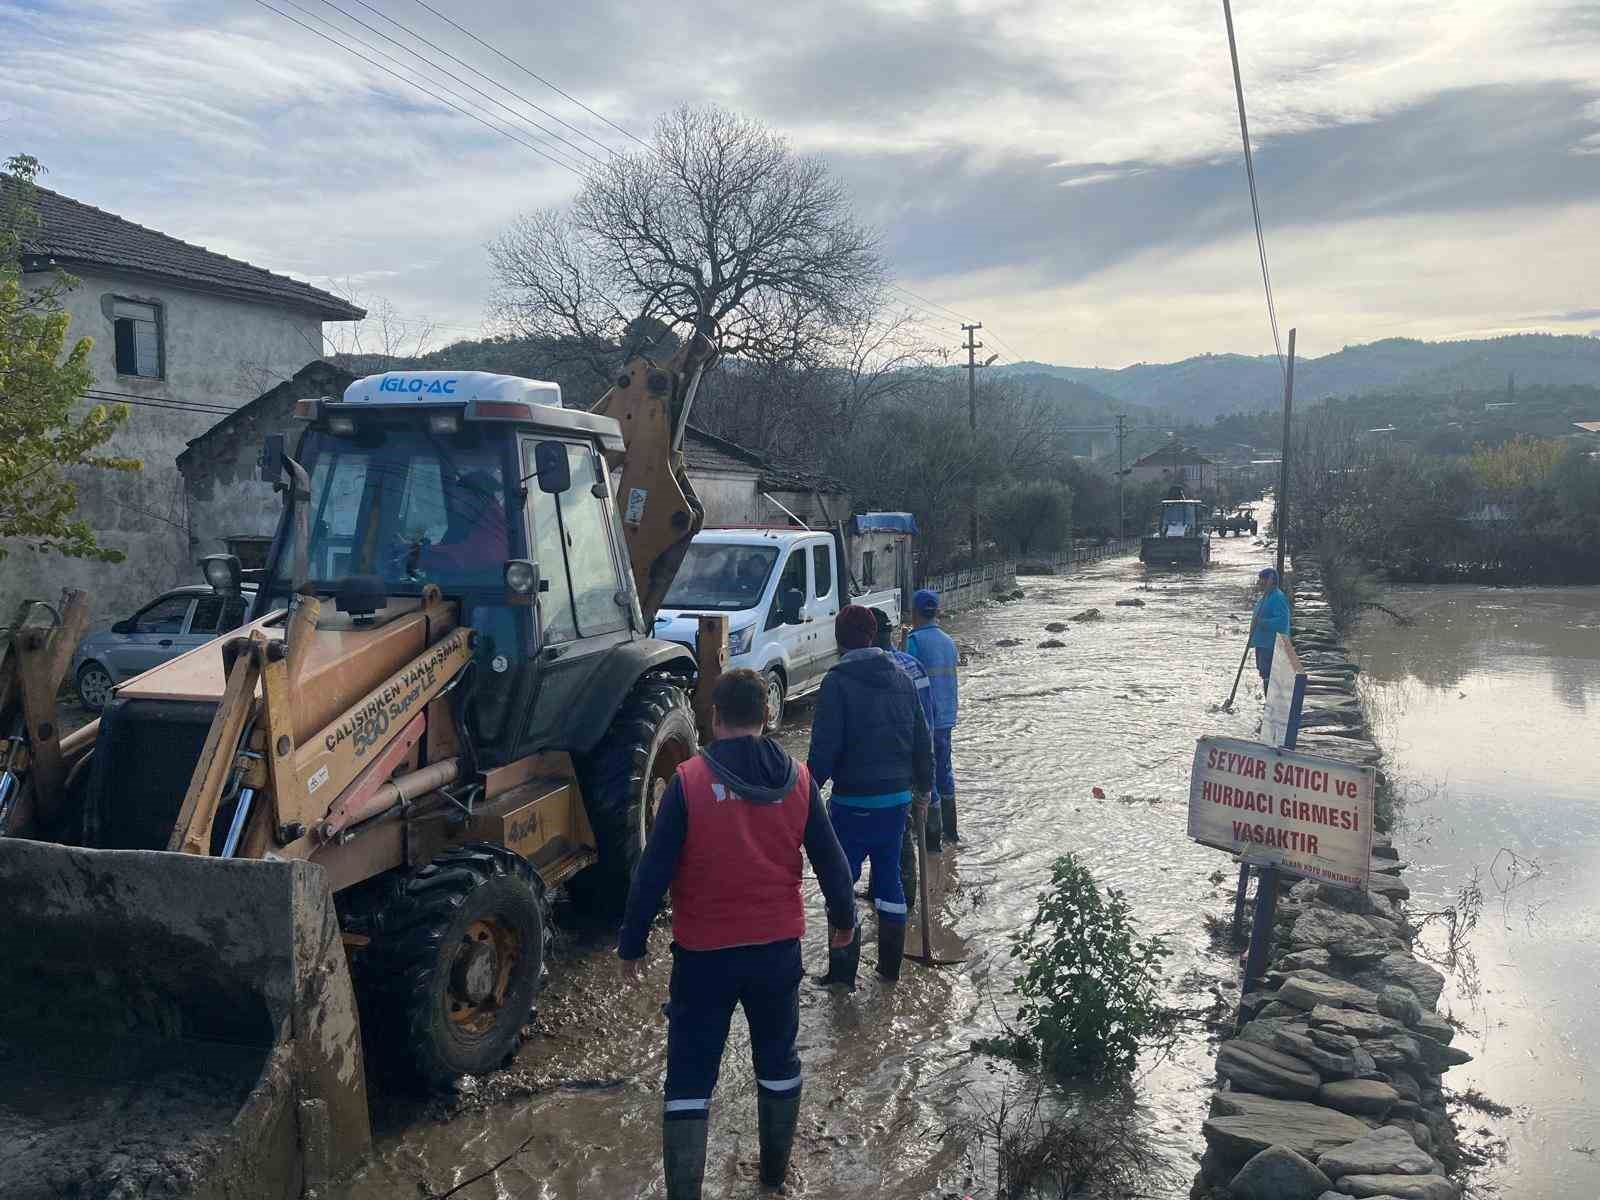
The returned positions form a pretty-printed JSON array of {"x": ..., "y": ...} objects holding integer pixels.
[{"x": 890, "y": 1079}]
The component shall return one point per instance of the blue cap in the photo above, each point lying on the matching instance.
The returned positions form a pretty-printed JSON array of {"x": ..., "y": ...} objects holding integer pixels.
[
  {"x": 1268, "y": 573},
  {"x": 926, "y": 600}
]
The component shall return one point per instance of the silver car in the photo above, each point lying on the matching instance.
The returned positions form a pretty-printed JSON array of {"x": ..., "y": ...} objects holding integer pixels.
[{"x": 173, "y": 623}]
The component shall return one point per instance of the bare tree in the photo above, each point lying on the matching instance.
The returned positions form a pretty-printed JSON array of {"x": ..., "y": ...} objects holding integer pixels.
[
  {"x": 720, "y": 227},
  {"x": 382, "y": 339}
]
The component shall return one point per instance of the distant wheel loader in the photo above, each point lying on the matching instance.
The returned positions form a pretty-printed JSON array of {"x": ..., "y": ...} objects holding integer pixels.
[
  {"x": 325, "y": 843},
  {"x": 1181, "y": 537}
]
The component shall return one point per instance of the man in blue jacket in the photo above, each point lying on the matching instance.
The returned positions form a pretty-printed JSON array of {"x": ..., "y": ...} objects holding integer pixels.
[
  {"x": 869, "y": 737},
  {"x": 1271, "y": 618},
  {"x": 727, "y": 841},
  {"x": 930, "y": 712},
  {"x": 936, "y": 651}
]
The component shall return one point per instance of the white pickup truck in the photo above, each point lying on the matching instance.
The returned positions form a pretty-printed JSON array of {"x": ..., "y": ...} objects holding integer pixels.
[{"x": 780, "y": 590}]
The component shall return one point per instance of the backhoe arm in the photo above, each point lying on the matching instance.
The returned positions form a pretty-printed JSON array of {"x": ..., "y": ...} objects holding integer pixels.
[{"x": 660, "y": 511}]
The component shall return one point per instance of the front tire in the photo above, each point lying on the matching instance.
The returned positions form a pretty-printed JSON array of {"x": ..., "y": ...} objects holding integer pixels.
[
  {"x": 455, "y": 959},
  {"x": 94, "y": 686},
  {"x": 777, "y": 691},
  {"x": 624, "y": 779}
]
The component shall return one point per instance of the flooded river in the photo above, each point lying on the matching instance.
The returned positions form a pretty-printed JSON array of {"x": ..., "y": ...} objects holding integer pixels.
[
  {"x": 1489, "y": 711},
  {"x": 891, "y": 1085}
]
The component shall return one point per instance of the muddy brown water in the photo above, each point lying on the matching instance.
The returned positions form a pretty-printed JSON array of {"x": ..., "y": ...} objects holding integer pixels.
[
  {"x": 891, "y": 1085},
  {"x": 1489, "y": 710}
]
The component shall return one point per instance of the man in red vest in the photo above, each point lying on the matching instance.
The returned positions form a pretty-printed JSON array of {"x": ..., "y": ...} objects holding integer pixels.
[{"x": 727, "y": 842}]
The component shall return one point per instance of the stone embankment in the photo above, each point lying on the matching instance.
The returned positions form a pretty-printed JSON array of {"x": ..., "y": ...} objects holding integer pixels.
[{"x": 1331, "y": 1088}]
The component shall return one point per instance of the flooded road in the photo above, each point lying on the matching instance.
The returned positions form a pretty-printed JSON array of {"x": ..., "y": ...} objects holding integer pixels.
[
  {"x": 1489, "y": 712},
  {"x": 891, "y": 1085}
]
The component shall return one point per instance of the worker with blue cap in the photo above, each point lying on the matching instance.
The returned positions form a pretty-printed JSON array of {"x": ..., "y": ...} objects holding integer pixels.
[
  {"x": 936, "y": 651},
  {"x": 1271, "y": 618}
]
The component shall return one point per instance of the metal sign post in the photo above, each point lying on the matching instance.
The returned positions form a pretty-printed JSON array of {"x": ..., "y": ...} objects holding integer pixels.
[{"x": 1280, "y": 726}]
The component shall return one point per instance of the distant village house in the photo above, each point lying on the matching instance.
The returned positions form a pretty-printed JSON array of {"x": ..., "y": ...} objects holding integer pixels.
[{"x": 1176, "y": 463}]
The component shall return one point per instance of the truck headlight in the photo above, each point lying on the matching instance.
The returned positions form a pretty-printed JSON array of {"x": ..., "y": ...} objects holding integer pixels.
[{"x": 739, "y": 640}]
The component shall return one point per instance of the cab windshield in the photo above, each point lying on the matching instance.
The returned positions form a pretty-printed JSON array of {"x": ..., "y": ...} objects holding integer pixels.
[
  {"x": 408, "y": 506},
  {"x": 721, "y": 578}
]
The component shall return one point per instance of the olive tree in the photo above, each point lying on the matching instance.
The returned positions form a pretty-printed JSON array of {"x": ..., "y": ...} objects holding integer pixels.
[{"x": 718, "y": 227}]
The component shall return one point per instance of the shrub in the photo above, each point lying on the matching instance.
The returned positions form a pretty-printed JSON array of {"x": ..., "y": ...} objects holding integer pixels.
[{"x": 1091, "y": 988}]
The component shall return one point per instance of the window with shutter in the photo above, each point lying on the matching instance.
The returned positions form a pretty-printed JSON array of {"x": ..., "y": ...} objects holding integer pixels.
[{"x": 137, "y": 333}]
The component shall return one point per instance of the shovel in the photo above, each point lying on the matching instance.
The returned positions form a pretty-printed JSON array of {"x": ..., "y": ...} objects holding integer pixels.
[
  {"x": 1227, "y": 705},
  {"x": 926, "y": 958}
]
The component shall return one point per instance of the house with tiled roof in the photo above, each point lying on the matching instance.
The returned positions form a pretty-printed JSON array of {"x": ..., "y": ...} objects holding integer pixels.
[
  {"x": 1175, "y": 463},
  {"x": 182, "y": 335}
]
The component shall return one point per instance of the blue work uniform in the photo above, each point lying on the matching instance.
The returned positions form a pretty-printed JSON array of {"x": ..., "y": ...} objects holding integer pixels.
[
  {"x": 936, "y": 651},
  {"x": 1271, "y": 618}
]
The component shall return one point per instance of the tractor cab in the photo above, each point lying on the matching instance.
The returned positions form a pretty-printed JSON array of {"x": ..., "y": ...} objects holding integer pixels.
[{"x": 481, "y": 485}]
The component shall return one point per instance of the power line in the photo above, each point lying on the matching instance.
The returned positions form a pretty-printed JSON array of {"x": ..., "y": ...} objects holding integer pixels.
[
  {"x": 464, "y": 83},
  {"x": 426, "y": 92},
  {"x": 432, "y": 66},
  {"x": 481, "y": 74},
  {"x": 900, "y": 287},
  {"x": 1250, "y": 174},
  {"x": 156, "y": 402},
  {"x": 530, "y": 73}
]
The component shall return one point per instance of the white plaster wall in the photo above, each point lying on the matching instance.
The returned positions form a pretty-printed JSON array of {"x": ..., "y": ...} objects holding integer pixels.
[{"x": 217, "y": 351}]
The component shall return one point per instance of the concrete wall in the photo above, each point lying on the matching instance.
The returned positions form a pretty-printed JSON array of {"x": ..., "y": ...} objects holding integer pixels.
[
  {"x": 225, "y": 496},
  {"x": 218, "y": 352}
]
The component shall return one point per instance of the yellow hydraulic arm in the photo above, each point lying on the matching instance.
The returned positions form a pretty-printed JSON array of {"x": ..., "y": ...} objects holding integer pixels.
[{"x": 660, "y": 511}]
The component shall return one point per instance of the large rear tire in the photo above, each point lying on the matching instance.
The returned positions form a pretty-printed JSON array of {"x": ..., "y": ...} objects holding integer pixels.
[
  {"x": 623, "y": 781},
  {"x": 455, "y": 959}
]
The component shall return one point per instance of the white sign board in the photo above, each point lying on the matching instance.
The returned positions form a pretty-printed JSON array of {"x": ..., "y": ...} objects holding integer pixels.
[
  {"x": 1286, "y": 693},
  {"x": 1301, "y": 813}
]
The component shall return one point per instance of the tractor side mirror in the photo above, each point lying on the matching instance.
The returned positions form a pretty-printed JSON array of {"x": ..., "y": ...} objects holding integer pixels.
[
  {"x": 550, "y": 466},
  {"x": 791, "y": 602},
  {"x": 271, "y": 460}
]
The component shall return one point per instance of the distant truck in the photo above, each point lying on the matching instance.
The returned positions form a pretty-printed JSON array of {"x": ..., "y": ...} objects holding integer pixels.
[
  {"x": 780, "y": 590},
  {"x": 1242, "y": 521},
  {"x": 1181, "y": 537}
]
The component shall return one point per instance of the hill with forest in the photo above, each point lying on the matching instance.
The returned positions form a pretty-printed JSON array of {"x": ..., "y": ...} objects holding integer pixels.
[{"x": 1212, "y": 385}]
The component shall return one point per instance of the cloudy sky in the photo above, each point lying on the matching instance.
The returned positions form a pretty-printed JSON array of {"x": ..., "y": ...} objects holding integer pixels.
[{"x": 1068, "y": 173}]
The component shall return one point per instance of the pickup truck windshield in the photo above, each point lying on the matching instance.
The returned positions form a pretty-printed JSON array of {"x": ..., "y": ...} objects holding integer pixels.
[{"x": 721, "y": 578}]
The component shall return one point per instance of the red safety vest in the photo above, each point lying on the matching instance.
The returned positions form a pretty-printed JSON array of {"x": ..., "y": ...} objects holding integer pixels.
[{"x": 738, "y": 877}]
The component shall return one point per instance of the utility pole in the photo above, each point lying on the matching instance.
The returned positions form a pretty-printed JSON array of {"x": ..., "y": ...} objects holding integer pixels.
[
  {"x": 1282, "y": 507},
  {"x": 972, "y": 418},
  {"x": 1122, "y": 433}
]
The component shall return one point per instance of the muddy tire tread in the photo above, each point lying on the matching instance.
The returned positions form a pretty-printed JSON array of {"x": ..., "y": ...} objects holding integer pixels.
[{"x": 407, "y": 915}]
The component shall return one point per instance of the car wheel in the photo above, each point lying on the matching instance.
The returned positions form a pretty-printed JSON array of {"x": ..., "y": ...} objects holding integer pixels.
[
  {"x": 94, "y": 686},
  {"x": 775, "y": 696}
]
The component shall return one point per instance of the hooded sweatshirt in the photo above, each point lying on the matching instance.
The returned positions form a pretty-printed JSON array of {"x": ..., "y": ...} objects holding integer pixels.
[
  {"x": 868, "y": 734},
  {"x": 754, "y": 899}
]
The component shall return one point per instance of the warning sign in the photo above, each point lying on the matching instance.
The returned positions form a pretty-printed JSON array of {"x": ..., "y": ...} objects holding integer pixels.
[{"x": 1301, "y": 813}]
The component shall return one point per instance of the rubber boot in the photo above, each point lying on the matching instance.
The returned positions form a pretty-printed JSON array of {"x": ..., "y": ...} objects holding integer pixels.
[
  {"x": 891, "y": 949},
  {"x": 778, "y": 1114},
  {"x": 843, "y": 965},
  {"x": 947, "y": 817},
  {"x": 683, "y": 1157}
]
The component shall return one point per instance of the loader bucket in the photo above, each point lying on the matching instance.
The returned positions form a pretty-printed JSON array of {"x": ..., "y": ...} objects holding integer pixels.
[{"x": 172, "y": 1025}]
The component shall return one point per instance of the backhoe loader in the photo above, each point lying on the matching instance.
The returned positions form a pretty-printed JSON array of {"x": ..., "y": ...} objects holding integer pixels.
[{"x": 321, "y": 846}]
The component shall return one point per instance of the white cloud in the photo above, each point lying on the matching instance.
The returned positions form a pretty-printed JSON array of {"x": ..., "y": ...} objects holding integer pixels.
[{"x": 226, "y": 125}]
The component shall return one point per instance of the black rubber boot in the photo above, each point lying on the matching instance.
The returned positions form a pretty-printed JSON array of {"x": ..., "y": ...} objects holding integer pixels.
[
  {"x": 683, "y": 1156},
  {"x": 947, "y": 815},
  {"x": 891, "y": 949},
  {"x": 843, "y": 965},
  {"x": 778, "y": 1114},
  {"x": 908, "y": 867}
]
